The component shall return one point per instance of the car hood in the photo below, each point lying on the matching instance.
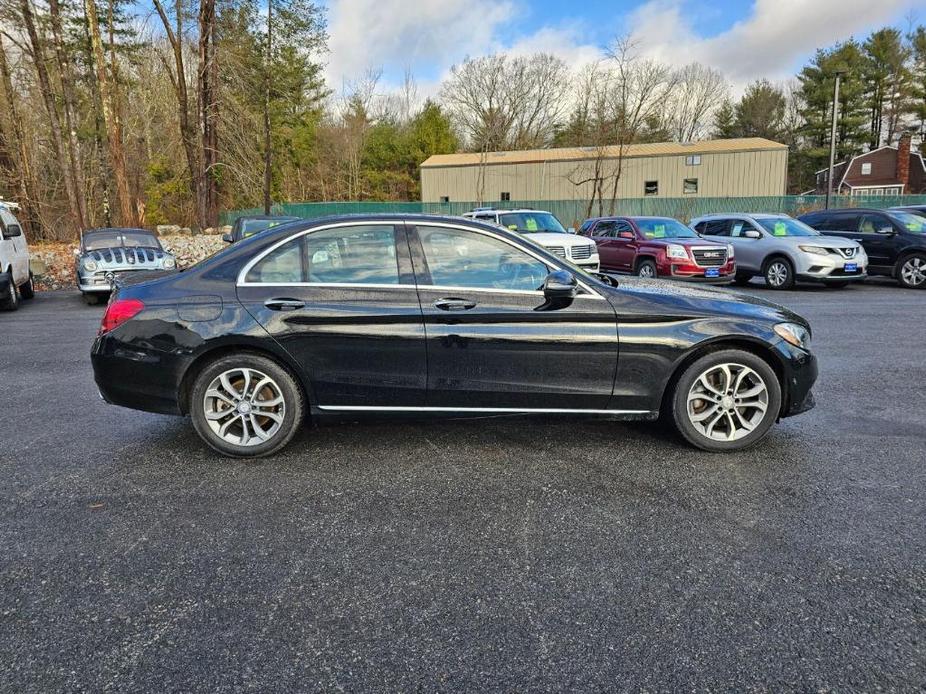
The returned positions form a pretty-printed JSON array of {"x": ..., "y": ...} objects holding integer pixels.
[
  {"x": 639, "y": 297},
  {"x": 688, "y": 243},
  {"x": 821, "y": 241},
  {"x": 553, "y": 239}
]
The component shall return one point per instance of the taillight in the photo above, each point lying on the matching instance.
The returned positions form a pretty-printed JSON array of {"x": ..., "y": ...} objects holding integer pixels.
[{"x": 118, "y": 312}]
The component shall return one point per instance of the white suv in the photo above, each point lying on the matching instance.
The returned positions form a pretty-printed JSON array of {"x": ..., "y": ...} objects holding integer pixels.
[
  {"x": 545, "y": 230},
  {"x": 15, "y": 277}
]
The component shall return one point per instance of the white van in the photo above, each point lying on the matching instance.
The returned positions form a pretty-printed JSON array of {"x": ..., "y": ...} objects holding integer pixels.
[{"x": 15, "y": 277}]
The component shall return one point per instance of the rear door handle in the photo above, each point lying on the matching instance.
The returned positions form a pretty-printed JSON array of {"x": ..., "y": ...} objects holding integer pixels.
[
  {"x": 450, "y": 304},
  {"x": 284, "y": 304}
]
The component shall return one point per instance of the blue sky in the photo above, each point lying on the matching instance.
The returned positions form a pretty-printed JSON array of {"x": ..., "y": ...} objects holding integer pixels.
[{"x": 745, "y": 40}]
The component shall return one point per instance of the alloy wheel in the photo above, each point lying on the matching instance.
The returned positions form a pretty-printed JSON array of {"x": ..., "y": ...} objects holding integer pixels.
[
  {"x": 646, "y": 271},
  {"x": 777, "y": 274},
  {"x": 727, "y": 402},
  {"x": 913, "y": 272},
  {"x": 244, "y": 407}
]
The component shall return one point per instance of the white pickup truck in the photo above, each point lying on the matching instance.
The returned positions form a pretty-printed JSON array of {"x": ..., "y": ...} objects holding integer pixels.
[{"x": 15, "y": 276}]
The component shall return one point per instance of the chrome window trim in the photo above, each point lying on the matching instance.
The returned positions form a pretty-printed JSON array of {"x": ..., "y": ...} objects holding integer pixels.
[
  {"x": 490, "y": 410},
  {"x": 240, "y": 282}
]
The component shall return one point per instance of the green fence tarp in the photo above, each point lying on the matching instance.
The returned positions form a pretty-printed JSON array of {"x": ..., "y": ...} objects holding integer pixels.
[{"x": 573, "y": 212}]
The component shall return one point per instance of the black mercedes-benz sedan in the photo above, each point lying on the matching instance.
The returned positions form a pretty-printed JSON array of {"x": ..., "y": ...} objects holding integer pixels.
[{"x": 446, "y": 316}]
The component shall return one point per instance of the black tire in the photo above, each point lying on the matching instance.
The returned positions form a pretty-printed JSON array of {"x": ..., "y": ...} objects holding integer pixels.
[
  {"x": 27, "y": 290},
  {"x": 778, "y": 273},
  {"x": 91, "y": 299},
  {"x": 289, "y": 389},
  {"x": 647, "y": 269},
  {"x": 741, "y": 280},
  {"x": 911, "y": 271},
  {"x": 678, "y": 401},
  {"x": 10, "y": 302}
]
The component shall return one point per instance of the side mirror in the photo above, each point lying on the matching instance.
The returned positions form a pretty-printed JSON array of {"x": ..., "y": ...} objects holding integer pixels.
[
  {"x": 628, "y": 235},
  {"x": 227, "y": 238},
  {"x": 886, "y": 231},
  {"x": 559, "y": 285},
  {"x": 13, "y": 230},
  {"x": 752, "y": 234}
]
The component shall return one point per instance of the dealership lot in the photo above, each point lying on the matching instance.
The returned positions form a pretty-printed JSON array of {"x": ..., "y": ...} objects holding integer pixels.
[{"x": 503, "y": 553}]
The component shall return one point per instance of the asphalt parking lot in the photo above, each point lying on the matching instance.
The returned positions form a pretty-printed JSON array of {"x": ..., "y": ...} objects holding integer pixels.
[{"x": 504, "y": 554}]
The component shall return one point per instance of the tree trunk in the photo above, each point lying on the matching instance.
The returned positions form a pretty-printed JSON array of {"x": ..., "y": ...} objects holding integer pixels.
[
  {"x": 15, "y": 143},
  {"x": 207, "y": 190},
  {"x": 111, "y": 118},
  {"x": 48, "y": 97},
  {"x": 67, "y": 92},
  {"x": 178, "y": 81},
  {"x": 268, "y": 151}
]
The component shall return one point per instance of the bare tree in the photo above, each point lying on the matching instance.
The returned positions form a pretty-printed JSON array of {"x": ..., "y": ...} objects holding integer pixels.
[
  {"x": 502, "y": 103},
  {"x": 207, "y": 202},
  {"x": 14, "y": 155},
  {"x": 106, "y": 77},
  {"x": 698, "y": 91}
]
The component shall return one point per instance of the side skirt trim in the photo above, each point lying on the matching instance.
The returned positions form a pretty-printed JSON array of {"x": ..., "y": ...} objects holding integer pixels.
[{"x": 489, "y": 410}]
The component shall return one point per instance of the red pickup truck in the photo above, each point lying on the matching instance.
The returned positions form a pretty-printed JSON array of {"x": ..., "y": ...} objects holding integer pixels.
[{"x": 659, "y": 247}]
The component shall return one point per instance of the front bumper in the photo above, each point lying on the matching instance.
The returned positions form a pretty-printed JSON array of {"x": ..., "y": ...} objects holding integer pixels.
[
  {"x": 690, "y": 272},
  {"x": 592, "y": 264},
  {"x": 800, "y": 374},
  {"x": 101, "y": 281},
  {"x": 813, "y": 267}
]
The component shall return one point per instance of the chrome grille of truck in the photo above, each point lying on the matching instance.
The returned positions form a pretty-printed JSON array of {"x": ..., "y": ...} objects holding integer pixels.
[
  {"x": 710, "y": 257},
  {"x": 557, "y": 250},
  {"x": 582, "y": 252}
]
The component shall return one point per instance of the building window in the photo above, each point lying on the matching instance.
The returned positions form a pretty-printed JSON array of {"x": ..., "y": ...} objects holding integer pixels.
[
  {"x": 690, "y": 186},
  {"x": 506, "y": 197},
  {"x": 866, "y": 168},
  {"x": 445, "y": 198},
  {"x": 651, "y": 188},
  {"x": 693, "y": 160}
]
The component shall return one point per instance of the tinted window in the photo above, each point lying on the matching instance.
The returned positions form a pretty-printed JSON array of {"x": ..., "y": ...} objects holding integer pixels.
[
  {"x": 623, "y": 226},
  {"x": 344, "y": 255},
  {"x": 606, "y": 228},
  {"x": 586, "y": 227},
  {"x": 715, "y": 227},
  {"x": 285, "y": 264},
  {"x": 458, "y": 258},
  {"x": 870, "y": 223},
  {"x": 353, "y": 255}
]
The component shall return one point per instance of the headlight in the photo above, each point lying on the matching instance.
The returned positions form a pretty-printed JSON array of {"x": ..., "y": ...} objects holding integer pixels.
[
  {"x": 89, "y": 265},
  {"x": 731, "y": 251},
  {"x": 816, "y": 250},
  {"x": 169, "y": 263},
  {"x": 794, "y": 334},
  {"x": 673, "y": 250}
]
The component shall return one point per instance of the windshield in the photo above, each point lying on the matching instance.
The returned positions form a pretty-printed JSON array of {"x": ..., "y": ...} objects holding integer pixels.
[
  {"x": 252, "y": 226},
  {"x": 120, "y": 237},
  {"x": 785, "y": 226},
  {"x": 530, "y": 222},
  {"x": 664, "y": 229},
  {"x": 911, "y": 222}
]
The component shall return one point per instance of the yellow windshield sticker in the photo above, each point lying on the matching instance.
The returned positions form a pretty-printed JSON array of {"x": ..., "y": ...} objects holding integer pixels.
[
  {"x": 660, "y": 232},
  {"x": 513, "y": 227},
  {"x": 780, "y": 229},
  {"x": 531, "y": 224},
  {"x": 915, "y": 226}
]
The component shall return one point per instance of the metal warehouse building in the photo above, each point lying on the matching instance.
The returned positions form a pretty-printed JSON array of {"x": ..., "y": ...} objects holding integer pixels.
[{"x": 742, "y": 167}]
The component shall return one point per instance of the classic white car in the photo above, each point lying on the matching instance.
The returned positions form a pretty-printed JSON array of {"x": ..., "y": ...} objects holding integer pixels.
[{"x": 106, "y": 254}]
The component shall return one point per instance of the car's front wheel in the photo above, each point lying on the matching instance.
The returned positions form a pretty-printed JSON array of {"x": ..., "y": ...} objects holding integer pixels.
[
  {"x": 912, "y": 272},
  {"x": 646, "y": 269},
  {"x": 246, "y": 405},
  {"x": 726, "y": 401},
  {"x": 779, "y": 273}
]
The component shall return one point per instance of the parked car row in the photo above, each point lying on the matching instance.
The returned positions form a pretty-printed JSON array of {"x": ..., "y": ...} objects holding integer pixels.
[{"x": 833, "y": 247}]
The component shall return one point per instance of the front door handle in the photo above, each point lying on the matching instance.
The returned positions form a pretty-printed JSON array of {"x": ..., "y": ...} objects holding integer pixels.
[
  {"x": 284, "y": 304},
  {"x": 450, "y": 304}
]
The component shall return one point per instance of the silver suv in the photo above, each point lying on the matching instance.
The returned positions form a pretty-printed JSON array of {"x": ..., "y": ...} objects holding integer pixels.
[{"x": 783, "y": 249}]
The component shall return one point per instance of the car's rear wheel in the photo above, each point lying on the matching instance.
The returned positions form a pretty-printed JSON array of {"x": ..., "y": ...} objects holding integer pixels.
[
  {"x": 646, "y": 269},
  {"x": 726, "y": 401},
  {"x": 246, "y": 405},
  {"x": 27, "y": 291},
  {"x": 911, "y": 272},
  {"x": 779, "y": 273}
]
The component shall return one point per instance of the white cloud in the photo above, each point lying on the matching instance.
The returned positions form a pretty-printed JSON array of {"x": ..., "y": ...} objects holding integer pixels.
[
  {"x": 769, "y": 43},
  {"x": 397, "y": 33}
]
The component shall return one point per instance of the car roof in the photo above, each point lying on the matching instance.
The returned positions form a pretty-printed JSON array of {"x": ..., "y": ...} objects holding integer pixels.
[
  {"x": 755, "y": 215},
  {"x": 850, "y": 209},
  {"x": 480, "y": 210},
  {"x": 268, "y": 216},
  {"x": 100, "y": 230}
]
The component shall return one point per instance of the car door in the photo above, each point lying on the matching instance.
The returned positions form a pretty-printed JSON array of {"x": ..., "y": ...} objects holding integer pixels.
[
  {"x": 750, "y": 252},
  {"x": 603, "y": 235},
  {"x": 878, "y": 236},
  {"x": 626, "y": 244},
  {"x": 492, "y": 341},
  {"x": 341, "y": 300}
]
